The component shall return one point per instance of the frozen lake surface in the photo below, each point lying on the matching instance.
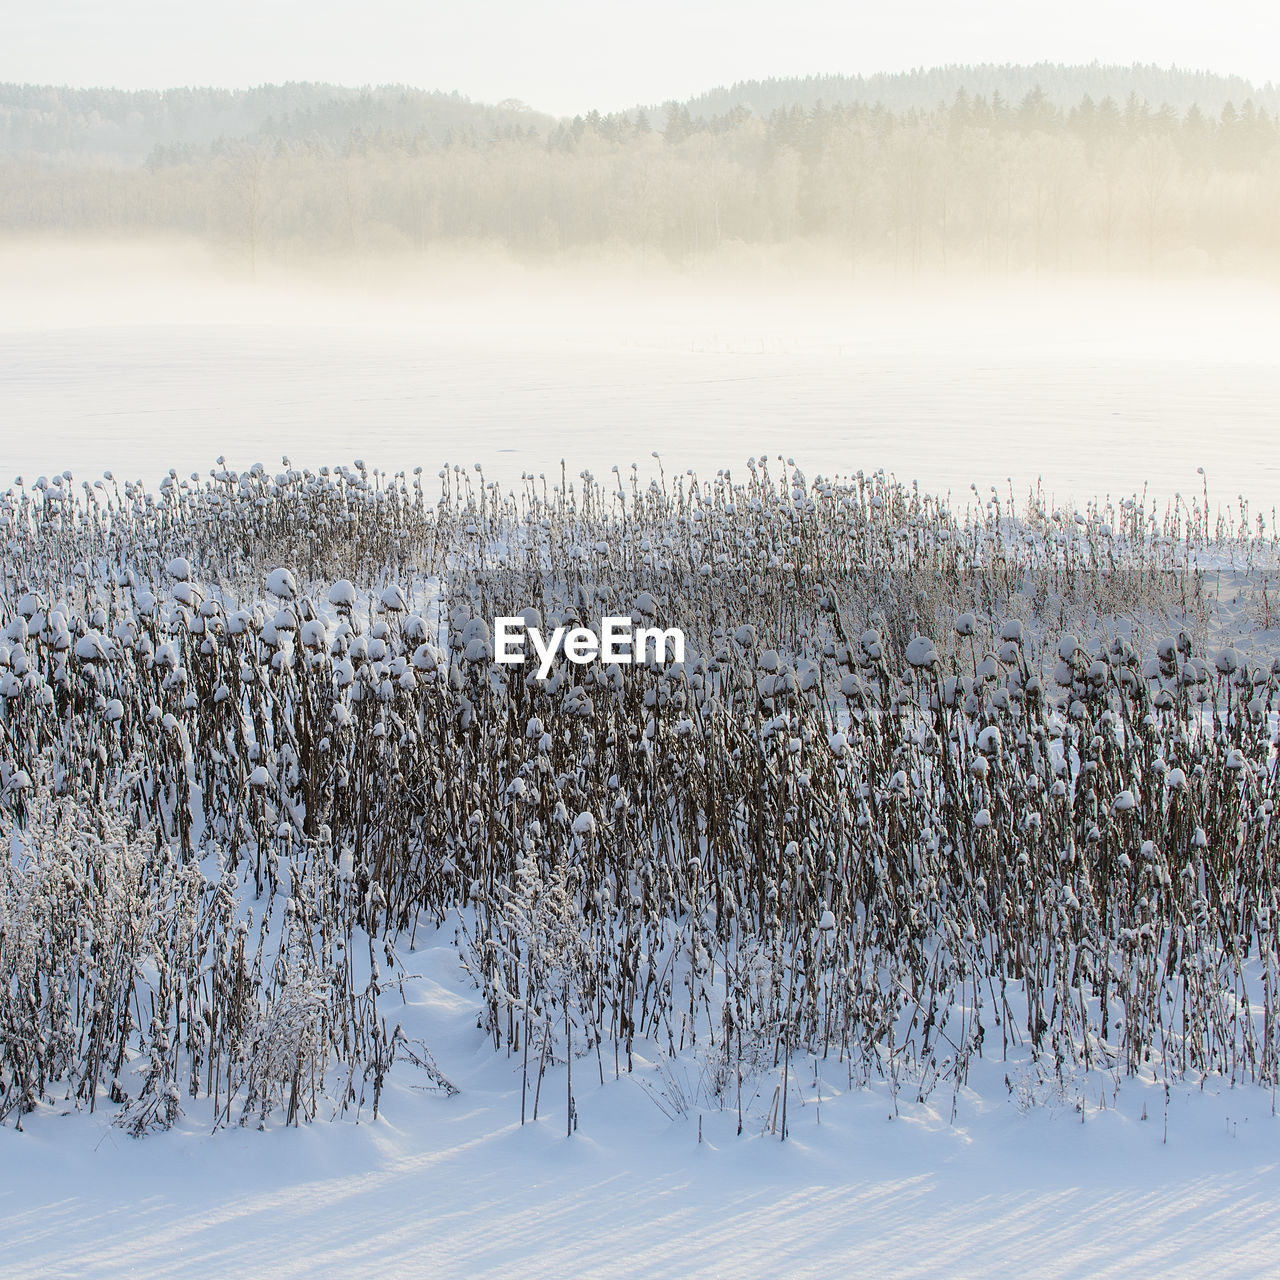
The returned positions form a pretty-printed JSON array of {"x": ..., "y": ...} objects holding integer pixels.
[{"x": 1092, "y": 394}]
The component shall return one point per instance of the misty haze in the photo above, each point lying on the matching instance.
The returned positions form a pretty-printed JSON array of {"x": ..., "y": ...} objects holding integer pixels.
[
  {"x": 137, "y": 361},
  {"x": 971, "y": 276}
]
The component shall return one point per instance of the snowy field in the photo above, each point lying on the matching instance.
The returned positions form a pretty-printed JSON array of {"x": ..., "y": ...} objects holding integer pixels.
[
  {"x": 1011, "y": 1173},
  {"x": 454, "y": 1187}
]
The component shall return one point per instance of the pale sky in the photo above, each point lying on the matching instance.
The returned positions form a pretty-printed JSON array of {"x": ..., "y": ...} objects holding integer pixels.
[{"x": 566, "y": 56}]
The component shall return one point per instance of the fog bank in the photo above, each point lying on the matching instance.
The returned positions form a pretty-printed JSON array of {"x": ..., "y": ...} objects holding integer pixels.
[{"x": 144, "y": 356}]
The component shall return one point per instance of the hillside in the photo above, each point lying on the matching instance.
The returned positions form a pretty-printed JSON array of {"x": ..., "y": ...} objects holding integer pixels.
[
  {"x": 75, "y": 126},
  {"x": 924, "y": 88}
]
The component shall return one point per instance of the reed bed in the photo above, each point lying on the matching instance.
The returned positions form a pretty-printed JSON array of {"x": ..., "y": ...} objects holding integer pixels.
[{"x": 932, "y": 784}]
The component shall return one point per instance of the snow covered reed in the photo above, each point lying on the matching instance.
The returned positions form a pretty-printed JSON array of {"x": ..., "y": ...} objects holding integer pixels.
[{"x": 929, "y": 785}]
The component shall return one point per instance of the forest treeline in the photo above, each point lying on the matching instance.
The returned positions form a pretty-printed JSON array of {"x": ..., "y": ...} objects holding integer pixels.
[
  {"x": 980, "y": 182},
  {"x": 64, "y": 126},
  {"x": 1064, "y": 85}
]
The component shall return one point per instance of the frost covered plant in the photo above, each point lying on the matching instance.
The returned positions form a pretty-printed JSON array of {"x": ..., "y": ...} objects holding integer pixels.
[
  {"x": 101, "y": 920},
  {"x": 929, "y": 785},
  {"x": 537, "y": 928},
  {"x": 288, "y": 1046}
]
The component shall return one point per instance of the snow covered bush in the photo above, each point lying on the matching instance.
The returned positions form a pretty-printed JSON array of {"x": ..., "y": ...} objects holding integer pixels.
[{"x": 131, "y": 973}]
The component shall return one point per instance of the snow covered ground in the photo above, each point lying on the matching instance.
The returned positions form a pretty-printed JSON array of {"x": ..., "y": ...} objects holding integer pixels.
[{"x": 1020, "y": 1184}]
